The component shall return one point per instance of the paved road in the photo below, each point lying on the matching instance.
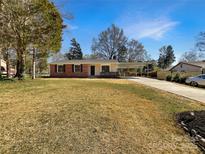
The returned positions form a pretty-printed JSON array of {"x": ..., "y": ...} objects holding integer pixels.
[{"x": 182, "y": 90}]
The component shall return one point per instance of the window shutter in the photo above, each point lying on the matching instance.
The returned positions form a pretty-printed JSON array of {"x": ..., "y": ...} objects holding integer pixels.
[
  {"x": 72, "y": 67},
  {"x": 81, "y": 66},
  {"x": 56, "y": 68},
  {"x": 64, "y": 68}
]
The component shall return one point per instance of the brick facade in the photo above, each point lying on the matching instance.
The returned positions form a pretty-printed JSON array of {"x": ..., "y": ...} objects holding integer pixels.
[{"x": 69, "y": 71}]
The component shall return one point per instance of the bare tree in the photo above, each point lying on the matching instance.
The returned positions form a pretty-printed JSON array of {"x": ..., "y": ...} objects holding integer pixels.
[
  {"x": 135, "y": 51},
  {"x": 200, "y": 45},
  {"x": 189, "y": 56},
  {"x": 201, "y": 41},
  {"x": 109, "y": 42},
  {"x": 57, "y": 57},
  {"x": 89, "y": 56}
]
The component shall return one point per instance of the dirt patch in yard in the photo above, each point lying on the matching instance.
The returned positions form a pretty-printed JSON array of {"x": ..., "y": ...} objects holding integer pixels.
[{"x": 194, "y": 123}]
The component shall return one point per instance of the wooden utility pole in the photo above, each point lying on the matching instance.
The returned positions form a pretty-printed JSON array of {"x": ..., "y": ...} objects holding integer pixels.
[
  {"x": 34, "y": 64},
  {"x": 7, "y": 64}
]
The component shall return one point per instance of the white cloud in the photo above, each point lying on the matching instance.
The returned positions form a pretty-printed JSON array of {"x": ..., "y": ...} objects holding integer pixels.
[
  {"x": 71, "y": 27},
  {"x": 150, "y": 28}
]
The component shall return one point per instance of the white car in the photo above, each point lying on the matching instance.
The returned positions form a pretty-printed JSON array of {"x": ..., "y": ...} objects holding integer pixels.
[{"x": 196, "y": 81}]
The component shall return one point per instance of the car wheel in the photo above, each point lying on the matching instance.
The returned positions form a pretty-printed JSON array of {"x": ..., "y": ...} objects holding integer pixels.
[{"x": 193, "y": 83}]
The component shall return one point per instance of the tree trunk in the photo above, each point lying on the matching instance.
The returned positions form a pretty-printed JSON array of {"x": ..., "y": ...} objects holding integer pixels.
[
  {"x": 34, "y": 64},
  {"x": 20, "y": 65}
]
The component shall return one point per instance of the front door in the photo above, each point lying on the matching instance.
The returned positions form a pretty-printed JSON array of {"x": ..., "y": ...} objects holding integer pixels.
[{"x": 92, "y": 70}]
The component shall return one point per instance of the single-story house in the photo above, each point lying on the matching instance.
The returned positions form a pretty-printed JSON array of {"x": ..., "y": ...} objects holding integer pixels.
[
  {"x": 198, "y": 66},
  {"x": 84, "y": 68},
  {"x": 93, "y": 68}
]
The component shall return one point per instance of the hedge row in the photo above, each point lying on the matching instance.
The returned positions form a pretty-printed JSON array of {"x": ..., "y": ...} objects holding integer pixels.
[
  {"x": 162, "y": 75},
  {"x": 177, "y": 78}
]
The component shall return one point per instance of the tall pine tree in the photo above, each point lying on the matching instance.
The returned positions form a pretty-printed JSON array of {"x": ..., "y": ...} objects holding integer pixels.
[
  {"x": 122, "y": 54},
  {"x": 75, "y": 51},
  {"x": 166, "y": 57}
]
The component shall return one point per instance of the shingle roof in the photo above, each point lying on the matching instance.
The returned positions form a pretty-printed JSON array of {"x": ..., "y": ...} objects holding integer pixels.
[
  {"x": 131, "y": 64},
  {"x": 196, "y": 64},
  {"x": 199, "y": 63},
  {"x": 89, "y": 61}
]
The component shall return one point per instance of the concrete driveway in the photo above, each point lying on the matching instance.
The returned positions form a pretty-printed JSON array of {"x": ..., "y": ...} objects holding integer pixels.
[{"x": 182, "y": 90}]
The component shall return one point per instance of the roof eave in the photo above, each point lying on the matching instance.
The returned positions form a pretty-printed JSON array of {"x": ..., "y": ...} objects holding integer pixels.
[{"x": 186, "y": 64}]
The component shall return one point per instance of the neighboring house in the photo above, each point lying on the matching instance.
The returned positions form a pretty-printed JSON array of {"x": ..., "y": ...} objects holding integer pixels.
[
  {"x": 84, "y": 68},
  {"x": 189, "y": 67},
  {"x": 2, "y": 66}
]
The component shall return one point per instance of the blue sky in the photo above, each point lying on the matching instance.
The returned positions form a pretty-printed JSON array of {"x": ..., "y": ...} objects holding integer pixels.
[{"x": 153, "y": 22}]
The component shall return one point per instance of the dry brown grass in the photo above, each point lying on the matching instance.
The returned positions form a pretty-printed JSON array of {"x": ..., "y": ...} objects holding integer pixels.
[{"x": 90, "y": 116}]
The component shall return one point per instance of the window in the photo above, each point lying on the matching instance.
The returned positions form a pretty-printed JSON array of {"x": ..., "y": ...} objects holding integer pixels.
[
  {"x": 203, "y": 76},
  {"x": 105, "y": 69},
  {"x": 77, "y": 68},
  {"x": 200, "y": 76},
  {"x": 61, "y": 68}
]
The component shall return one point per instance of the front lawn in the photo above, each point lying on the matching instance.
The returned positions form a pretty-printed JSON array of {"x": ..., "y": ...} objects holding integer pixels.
[{"x": 90, "y": 116}]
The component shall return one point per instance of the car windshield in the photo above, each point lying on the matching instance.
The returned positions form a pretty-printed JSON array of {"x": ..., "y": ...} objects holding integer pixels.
[{"x": 201, "y": 76}]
